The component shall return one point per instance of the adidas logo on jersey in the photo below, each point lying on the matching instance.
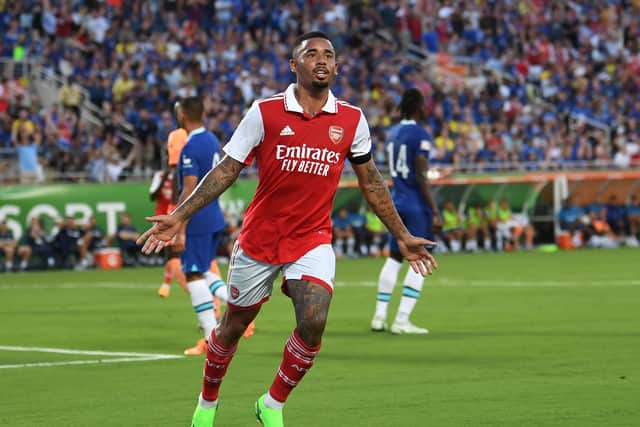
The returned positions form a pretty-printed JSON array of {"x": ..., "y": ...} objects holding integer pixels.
[{"x": 287, "y": 131}]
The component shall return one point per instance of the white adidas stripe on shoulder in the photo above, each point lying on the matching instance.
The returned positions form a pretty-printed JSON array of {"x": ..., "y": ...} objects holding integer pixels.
[
  {"x": 346, "y": 104},
  {"x": 277, "y": 97}
]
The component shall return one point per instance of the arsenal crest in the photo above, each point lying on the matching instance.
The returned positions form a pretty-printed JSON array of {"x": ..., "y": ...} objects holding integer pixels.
[{"x": 336, "y": 133}]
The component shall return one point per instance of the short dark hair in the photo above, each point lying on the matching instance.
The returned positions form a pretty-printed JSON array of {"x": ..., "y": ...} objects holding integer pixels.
[
  {"x": 411, "y": 102},
  {"x": 306, "y": 36},
  {"x": 192, "y": 107}
]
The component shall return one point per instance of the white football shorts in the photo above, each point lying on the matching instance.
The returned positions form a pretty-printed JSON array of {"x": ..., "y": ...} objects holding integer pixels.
[{"x": 250, "y": 282}]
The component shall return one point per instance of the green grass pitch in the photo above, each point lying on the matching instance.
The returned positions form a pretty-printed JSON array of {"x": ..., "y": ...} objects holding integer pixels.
[{"x": 522, "y": 339}]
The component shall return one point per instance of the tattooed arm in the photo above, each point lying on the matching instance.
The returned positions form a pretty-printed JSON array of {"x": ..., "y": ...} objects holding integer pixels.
[
  {"x": 210, "y": 188},
  {"x": 165, "y": 227},
  {"x": 377, "y": 195}
]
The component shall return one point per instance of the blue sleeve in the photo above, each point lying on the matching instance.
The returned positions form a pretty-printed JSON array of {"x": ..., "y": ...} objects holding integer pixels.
[
  {"x": 189, "y": 161},
  {"x": 424, "y": 143}
]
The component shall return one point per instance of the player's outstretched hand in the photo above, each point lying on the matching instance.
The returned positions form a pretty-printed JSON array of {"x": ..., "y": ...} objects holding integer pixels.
[
  {"x": 165, "y": 227},
  {"x": 414, "y": 251}
]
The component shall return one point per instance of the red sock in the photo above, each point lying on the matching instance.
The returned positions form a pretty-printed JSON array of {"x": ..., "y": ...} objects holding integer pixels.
[
  {"x": 297, "y": 360},
  {"x": 218, "y": 359},
  {"x": 167, "y": 274}
]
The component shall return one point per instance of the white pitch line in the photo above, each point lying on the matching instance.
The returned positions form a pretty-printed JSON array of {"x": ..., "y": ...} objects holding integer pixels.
[
  {"x": 95, "y": 285},
  {"x": 129, "y": 357},
  {"x": 84, "y": 352}
]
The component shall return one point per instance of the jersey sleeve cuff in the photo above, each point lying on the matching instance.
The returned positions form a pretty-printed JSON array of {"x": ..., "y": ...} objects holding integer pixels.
[{"x": 358, "y": 160}]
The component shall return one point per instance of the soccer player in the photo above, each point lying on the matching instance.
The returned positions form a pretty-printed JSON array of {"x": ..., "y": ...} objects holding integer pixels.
[
  {"x": 92, "y": 239},
  {"x": 66, "y": 243},
  {"x": 477, "y": 225},
  {"x": 452, "y": 231},
  {"x": 408, "y": 145},
  {"x": 633, "y": 214},
  {"x": 162, "y": 192},
  {"x": 199, "y": 237},
  {"x": 300, "y": 140}
]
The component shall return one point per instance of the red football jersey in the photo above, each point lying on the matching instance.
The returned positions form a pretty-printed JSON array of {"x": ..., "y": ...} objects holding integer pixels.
[
  {"x": 164, "y": 198},
  {"x": 300, "y": 160}
]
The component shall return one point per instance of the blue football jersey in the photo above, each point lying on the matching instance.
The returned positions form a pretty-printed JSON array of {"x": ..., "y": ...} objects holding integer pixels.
[
  {"x": 201, "y": 153},
  {"x": 405, "y": 142}
]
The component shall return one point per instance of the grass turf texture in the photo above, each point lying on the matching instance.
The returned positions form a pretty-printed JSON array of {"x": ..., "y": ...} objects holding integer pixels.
[{"x": 516, "y": 339}]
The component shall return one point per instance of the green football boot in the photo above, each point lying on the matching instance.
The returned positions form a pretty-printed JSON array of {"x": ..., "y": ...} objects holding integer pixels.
[
  {"x": 204, "y": 417},
  {"x": 268, "y": 417}
]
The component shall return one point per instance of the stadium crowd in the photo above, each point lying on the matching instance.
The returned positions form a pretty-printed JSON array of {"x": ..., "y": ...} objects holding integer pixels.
[{"x": 558, "y": 81}]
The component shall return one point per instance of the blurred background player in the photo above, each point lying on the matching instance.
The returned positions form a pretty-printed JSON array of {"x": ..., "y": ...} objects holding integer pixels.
[
  {"x": 512, "y": 229},
  {"x": 93, "y": 238},
  {"x": 375, "y": 233},
  {"x": 452, "y": 232},
  {"x": 343, "y": 232},
  {"x": 7, "y": 245},
  {"x": 571, "y": 219},
  {"x": 408, "y": 147},
  {"x": 162, "y": 192},
  {"x": 633, "y": 214},
  {"x": 199, "y": 238},
  {"x": 125, "y": 237},
  {"x": 36, "y": 243},
  {"x": 66, "y": 244},
  {"x": 477, "y": 226}
]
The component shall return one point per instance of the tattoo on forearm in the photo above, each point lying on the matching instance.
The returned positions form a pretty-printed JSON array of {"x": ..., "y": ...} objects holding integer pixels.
[
  {"x": 211, "y": 187},
  {"x": 377, "y": 194}
]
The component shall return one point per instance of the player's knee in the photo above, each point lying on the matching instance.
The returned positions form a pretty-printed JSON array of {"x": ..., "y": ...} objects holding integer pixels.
[
  {"x": 312, "y": 327},
  {"x": 233, "y": 325}
]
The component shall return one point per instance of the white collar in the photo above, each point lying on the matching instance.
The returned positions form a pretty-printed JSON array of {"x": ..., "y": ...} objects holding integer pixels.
[
  {"x": 197, "y": 131},
  {"x": 292, "y": 104},
  {"x": 407, "y": 122}
]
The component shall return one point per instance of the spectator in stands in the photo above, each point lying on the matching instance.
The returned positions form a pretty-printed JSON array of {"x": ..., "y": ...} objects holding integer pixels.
[
  {"x": 150, "y": 52},
  {"x": 343, "y": 233},
  {"x": 66, "y": 244},
  {"x": 7, "y": 245},
  {"x": 22, "y": 122},
  {"x": 96, "y": 167},
  {"x": 35, "y": 243},
  {"x": 452, "y": 231},
  {"x": 126, "y": 236},
  {"x": 71, "y": 95},
  {"x": 27, "y": 143}
]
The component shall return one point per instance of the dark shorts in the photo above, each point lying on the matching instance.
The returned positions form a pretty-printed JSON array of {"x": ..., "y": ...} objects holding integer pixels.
[
  {"x": 418, "y": 223},
  {"x": 200, "y": 249},
  {"x": 170, "y": 253}
]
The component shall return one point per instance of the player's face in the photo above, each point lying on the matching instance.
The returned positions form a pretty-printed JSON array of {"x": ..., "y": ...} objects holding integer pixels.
[{"x": 315, "y": 63}]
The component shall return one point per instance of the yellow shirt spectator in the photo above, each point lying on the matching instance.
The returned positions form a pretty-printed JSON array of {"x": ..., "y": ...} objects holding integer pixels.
[
  {"x": 121, "y": 87},
  {"x": 27, "y": 123},
  {"x": 444, "y": 143},
  {"x": 70, "y": 96}
]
